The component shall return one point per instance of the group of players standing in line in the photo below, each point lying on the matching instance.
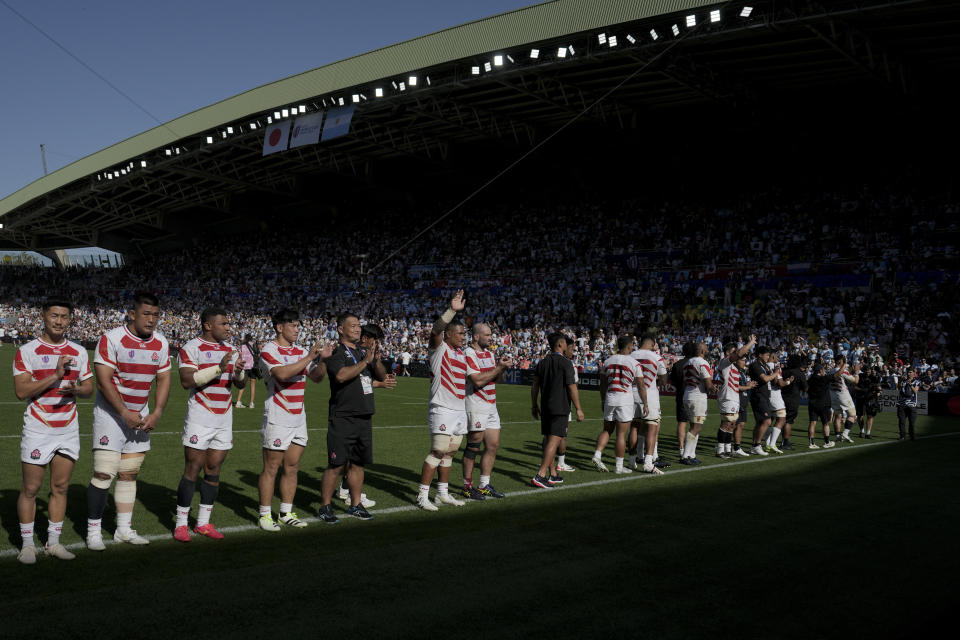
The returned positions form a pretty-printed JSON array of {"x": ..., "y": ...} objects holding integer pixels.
[{"x": 51, "y": 372}]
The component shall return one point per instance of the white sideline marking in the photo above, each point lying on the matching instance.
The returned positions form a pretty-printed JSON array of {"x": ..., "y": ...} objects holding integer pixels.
[{"x": 754, "y": 459}]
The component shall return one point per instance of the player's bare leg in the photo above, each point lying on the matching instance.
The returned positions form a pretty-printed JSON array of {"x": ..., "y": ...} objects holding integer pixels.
[
  {"x": 474, "y": 440},
  {"x": 124, "y": 496},
  {"x": 602, "y": 440},
  {"x": 266, "y": 487}
]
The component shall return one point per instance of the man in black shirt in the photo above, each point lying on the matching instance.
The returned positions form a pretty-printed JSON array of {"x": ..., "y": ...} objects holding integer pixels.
[
  {"x": 819, "y": 405},
  {"x": 867, "y": 400},
  {"x": 352, "y": 372},
  {"x": 688, "y": 351},
  {"x": 791, "y": 395},
  {"x": 554, "y": 381},
  {"x": 763, "y": 374}
]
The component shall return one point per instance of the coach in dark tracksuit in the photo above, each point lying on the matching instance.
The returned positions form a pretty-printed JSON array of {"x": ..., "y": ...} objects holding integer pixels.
[
  {"x": 907, "y": 404},
  {"x": 791, "y": 396}
]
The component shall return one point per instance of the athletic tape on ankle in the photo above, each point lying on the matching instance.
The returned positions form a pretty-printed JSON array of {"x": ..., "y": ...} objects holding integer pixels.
[{"x": 107, "y": 463}]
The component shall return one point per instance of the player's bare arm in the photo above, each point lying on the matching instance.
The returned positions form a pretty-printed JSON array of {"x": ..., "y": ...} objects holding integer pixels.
[
  {"x": 160, "y": 397},
  {"x": 483, "y": 379},
  {"x": 534, "y": 397},
  {"x": 575, "y": 398},
  {"x": 457, "y": 303},
  {"x": 287, "y": 371},
  {"x": 109, "y": 391},
  {"x": 319, "y": 372},
  {"x": 26, "y": 387}
]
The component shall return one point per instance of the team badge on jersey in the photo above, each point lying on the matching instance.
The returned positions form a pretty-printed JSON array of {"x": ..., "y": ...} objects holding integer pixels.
[
  {"x": 478, "y": 424},
  {"x": 443, "y": 427},
  {"x": 132, "y": 353},
  {"x": 194, "y": 439},
  {"x": 46, "y": 359},
  {"x": 333, "y": 455},
  {"x": 35, "y": 454},
  {"x": 277, "y": 442},
  {"x": 104, "y": 440},
  {"x": 155, "y": 357}
]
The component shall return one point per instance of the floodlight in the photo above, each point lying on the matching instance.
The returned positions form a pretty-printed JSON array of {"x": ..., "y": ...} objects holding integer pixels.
[
  {"x": 487, "y": 67},
  {"x": 562, "y": 52},
  {"x": 498, "y": 61},
  {"x": 428, "y": 79},
  {"x": 285, "y": 112},
  {"x": 675, "y": 29},
  {"x": 253, "y": 126},
  {"x": 394, "y": 83},
  {"x": 613, "y": 41},
  {"x": 168, "y": 152},
  {"x": 230, "y": 130},
  {"x": 602, "y": 38},
  {"x": 269, "y": 120},
  {"x": 715, "y": 15},
  {"x": 341, "y": 101},
  {"x": 745, "y": 12},
  {"x": 654, "y": 34},
  {"x": 631, "y": 39},
  {"x": 363, "y": 96},
  {"x": 691, "y": 21},
  {"x": 571, "y": 50},
  {"x": 534, "y": 54},
  {"x": 510, "y": 58},
  {"x": 209, "y": 139},
  {"x": 412, "y": 81},
  {"x": 276, "y": 115},
  {"x": 303, "y": 108},
  {"x": 475, "y": 71},
  {"x": 143, "y": 163},
  {"x": 356, "y": 97},
  {"x": 123, "y": 172},
  {"x": 378, "y": 92}
]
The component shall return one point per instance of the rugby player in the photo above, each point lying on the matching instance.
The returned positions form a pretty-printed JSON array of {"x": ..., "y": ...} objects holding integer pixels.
[
  {"x": 840, "y": 399},
  {"x": 209, "y": 366},
  {"x": 51, "y": 373},
  {"x": 698, "y": 382},
  {"x": 645, "y": 428},
  {"x": 746, "y": 387},
  {"x": 677, "y": 380},
  {"x": 446, "y": 412},
  {"x": 617, "y": 382},
  {"x": 284, "y": 428},
  {"x": 728, "y": 394},
  {"x": 127, "y": 362},
  {"x": 778, "y": 405},
  {"x": 763, "y": 374},
  {"x": 483, "y": 420}
]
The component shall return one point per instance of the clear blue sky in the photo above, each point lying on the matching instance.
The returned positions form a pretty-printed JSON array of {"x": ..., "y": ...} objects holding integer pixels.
[{"x": 173, "y": 57}]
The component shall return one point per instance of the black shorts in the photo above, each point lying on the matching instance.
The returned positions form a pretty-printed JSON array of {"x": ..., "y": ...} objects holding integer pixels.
[
  {"x": 859, "y": 406},
  {"x": 554, "y": 425},
  {"x": 761, "y": 408},
  {"x": 792, "y": 412},
  {"x": 871, "y": 408},
  {"x": 253, "y": 373},
  {"x": 821, "y": 413},
  {"x": 742, "y": 418},
  {"x": 681, "y": 410},
  {"x": 350, "y": 439}
]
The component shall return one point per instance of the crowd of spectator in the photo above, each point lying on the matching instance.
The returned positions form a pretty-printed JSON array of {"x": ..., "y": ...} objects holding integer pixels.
[{"x": 872, "y": 274}]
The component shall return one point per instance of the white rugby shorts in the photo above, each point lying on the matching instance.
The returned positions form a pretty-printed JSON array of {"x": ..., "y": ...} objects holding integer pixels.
[
  {"x": 39, "y": 446},
  {"x": 619, "y": 413},
  {"x": 278, "y": 437},
  {"x": 447, "y": 421},
  {"x": 653, "y": 408},
  {"x": 483, "y": 420},
  {"x": 111, "y": 433},
  {"x": 198, "y": 436},
  {"x": 843, "y": 403},
  {"x": 696, "y": 407}
]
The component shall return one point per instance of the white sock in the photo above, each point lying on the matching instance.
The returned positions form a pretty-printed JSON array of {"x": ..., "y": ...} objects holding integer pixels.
[
  {"x": 425, "y": 490},
  {"x": 598, "y": 453},
  {"x": 774, "y": 434},
  {"x": 696, "y": 441},
  {"x": 286, "y": 507},
  {"x": 485, "y": 480},
  {"x": 655, "y": 454},
  {"x": 690, "y": 446},
  {"x": 846, "y": 432},
  {"x": 26, "y": 532},
  {"x": 561, "y": 460},
  {"x": 619, "y": 464},
  {"x": 443, "y": 488},
  {"x": 53, "y": 532},
  {"x": 728, "y": 447},
  {"x": 265, "y": 511},
  {"x": 183, "y": 516},
  {"x": 203, "y": 515},
  {"x": 647, "y": 461},
  {"x": 124, "y": 520},
  {"x": 93, "y": 528}
]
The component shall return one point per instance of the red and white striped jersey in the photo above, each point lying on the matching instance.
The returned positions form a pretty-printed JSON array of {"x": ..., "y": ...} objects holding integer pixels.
[
  {"x": 776, "y": 393},
  {"x": 729, "y": 390},
  {"x": 211, "y": 405},
  {"x": 480, "y": 398},
  {"x": 284, "y": 405},
  {"x": 620, "y": 372},
  {"x": 50, "y": 408},
  {"x": 652, "y": 366},
  {"x": 448, "y": 373},
  {"x": 839, "y": 387},
  {"x": 695, "y": 374},
  {"x": 135, "y": 361}
]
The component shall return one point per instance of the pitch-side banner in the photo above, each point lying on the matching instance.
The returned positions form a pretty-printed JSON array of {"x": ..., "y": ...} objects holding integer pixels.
[
  {"x": 306, "y": 130},
  {"x": 338, "y": 122},
  {"x": 888, "y": 401},
  {"x": 275, "y": 137}
]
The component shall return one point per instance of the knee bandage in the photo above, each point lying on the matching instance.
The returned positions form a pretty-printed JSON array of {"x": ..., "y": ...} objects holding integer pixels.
[
  {"x": 432, "y": 460},
  {"x": 126, "y": 492},
  {"x": 473, "y": 448},
  {"x": 454, "y": 444},
  {"x": 446, "y": 462},
  {"x": 440, "y": 442},
  {"x": 131, "y": 465},
  {"x": 106, "y": 463}
]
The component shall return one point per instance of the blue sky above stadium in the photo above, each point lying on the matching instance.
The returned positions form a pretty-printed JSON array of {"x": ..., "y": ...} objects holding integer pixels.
[{"x": 171, "y": 58}]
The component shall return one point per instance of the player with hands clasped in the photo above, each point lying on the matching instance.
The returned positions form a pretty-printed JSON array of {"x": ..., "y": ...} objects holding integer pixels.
[
  {"x": 51, "y": 373},
  {"x": 209, "y": 366}
]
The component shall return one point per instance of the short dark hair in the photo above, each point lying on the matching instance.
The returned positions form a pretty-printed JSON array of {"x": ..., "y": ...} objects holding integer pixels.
[
  {"x": 284, "y": 316},
  {"x": 343, "y": 317},
  {"x": 455, "y": 323},
  {"x": 56, "y": 302},
  {"x": 689, "y": 349},
  {"x": 762, "y": 350},
  {"x": 141, "y": 298},
  {"x": 555, "y": 338},
  {"x": 372, "y": 331},
  {"x": 794, "y": 360},
  {"x": 730, "y": 346},
  {"x": 624, "y": 341},
  {"x": 648, "y": 337},
  {"x": 209, "y": 313}
]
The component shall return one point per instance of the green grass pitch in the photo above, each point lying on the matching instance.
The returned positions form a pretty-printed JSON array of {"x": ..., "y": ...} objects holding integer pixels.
[{"x": 853, "y": 540}]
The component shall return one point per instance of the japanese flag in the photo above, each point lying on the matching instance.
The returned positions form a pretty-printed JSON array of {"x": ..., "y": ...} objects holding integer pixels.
[{"x": 275, "y": 137}]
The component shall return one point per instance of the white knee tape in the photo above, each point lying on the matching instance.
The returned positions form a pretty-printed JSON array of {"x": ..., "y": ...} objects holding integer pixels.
[
  {"x": 433, "y": 460},
  {"x": 446, "y": 462},
  {"x": 440, "y": 442},
  {"x": 126, "y": 492},
  {"x": 131, "y": 465},
  {"x": 454, "y": 444},
  {"x": 107, "y": 463}
]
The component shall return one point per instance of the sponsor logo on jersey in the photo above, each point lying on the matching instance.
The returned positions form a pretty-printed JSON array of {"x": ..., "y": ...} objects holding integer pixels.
[
  {"x": 209, "y": 354},
  {"x": 35, "y": 454},
  {"x": 194, "y": 439},
  {"x": 131, "y": 353},
  {"x": 46, "y": 359},
  {"x": 104, "y": 440}
]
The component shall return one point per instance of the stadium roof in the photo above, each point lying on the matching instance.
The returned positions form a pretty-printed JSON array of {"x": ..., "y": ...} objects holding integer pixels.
[{"x": 616, "y": 64}]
